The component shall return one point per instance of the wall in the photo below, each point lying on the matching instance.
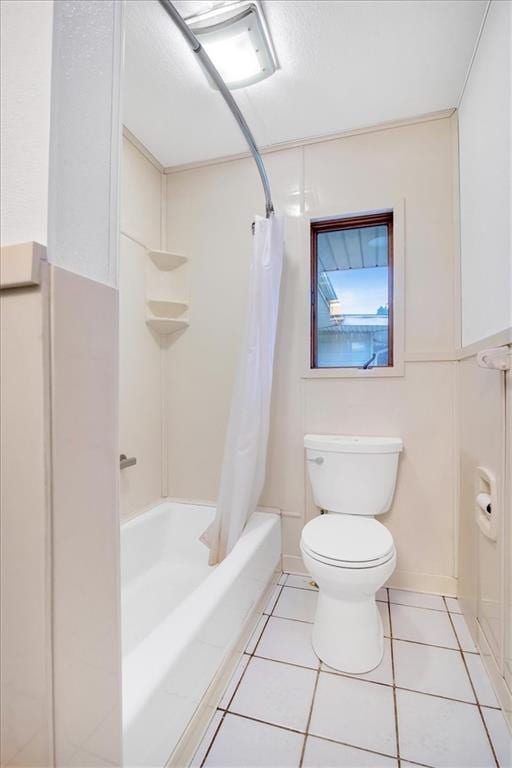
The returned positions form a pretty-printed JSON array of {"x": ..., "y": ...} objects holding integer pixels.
[
  {"x": 140, "y": 351},
  {"x": 85, "y": 138},
  {"x": 85, "y": 569},
  {"x": 485, "y": 583},
  {"x": 210, "y": 210},
  {"x": 83, "y": 235},
  {"x": 25, "y": 126},
  {"x": 485, "y": 194},
  {"x": 25, "y": 650}
]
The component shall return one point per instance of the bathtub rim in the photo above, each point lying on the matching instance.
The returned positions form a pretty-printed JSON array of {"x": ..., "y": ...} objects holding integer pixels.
[
  {"x": 187, "y": 744},
  {"x": 125, "y": 519}
]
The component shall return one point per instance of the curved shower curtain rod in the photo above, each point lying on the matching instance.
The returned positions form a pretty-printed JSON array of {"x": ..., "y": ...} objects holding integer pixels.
[{"x": 208, "y": 66}]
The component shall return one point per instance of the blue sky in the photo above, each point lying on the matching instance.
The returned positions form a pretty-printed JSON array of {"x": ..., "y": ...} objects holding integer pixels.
[{"x": 361, "y": 291}]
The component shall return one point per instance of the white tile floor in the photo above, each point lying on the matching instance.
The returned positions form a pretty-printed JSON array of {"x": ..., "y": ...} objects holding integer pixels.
[{"x": 429, "y": 703}]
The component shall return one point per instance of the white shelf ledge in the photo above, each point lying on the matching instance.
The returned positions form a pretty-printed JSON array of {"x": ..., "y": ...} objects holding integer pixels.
[
  {"x": 166, "y": 325},
  {"x": 165, "y": 260},
  {"x": 165, "y": 308}
]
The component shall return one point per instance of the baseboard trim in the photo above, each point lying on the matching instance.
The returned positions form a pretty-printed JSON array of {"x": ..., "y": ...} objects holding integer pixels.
[
  {"x": 424, "y": 582},
  {"x": 499, "y": 685},
  {"x": 409, "y": 580},
  {"x": 293, "y": 564}
]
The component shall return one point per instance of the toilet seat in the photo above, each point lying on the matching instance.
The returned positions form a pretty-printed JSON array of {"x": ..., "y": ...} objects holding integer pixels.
[{"x": 347, "y": 541}]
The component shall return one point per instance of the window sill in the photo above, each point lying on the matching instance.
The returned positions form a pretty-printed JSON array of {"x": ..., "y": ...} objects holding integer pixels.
[{"x": 354, "y": 373}]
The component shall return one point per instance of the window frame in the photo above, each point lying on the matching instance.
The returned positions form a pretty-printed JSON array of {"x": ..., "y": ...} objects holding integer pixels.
[{"x": 356, "y": 221}]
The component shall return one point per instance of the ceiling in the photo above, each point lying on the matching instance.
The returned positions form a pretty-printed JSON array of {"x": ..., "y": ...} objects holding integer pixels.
[{"x": 344, "y": 64}]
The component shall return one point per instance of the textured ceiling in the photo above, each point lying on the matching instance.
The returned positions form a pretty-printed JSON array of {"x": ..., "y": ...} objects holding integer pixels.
[{"x": 344, "y": 64}]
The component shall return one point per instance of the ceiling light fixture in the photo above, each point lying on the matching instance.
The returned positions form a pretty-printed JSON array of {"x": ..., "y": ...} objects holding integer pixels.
[{"x": 236, "y": 38}]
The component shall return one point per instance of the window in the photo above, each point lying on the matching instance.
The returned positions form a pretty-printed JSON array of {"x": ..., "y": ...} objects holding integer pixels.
[{"x": 352, "y": 292}]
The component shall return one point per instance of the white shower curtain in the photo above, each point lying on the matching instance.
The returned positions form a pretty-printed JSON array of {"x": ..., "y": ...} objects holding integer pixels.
[{"x": 245, "y": 450}]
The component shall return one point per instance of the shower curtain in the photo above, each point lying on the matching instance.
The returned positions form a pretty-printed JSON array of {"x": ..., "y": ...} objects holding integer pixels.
[{"x": 245, "y": 450}]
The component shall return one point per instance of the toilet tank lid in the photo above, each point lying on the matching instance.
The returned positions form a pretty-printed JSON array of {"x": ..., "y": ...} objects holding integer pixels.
[{"x": 353, "y": 444}]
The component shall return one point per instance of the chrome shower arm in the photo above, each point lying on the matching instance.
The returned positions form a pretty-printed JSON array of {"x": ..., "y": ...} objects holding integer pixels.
[{"x": 209, "y": 67}]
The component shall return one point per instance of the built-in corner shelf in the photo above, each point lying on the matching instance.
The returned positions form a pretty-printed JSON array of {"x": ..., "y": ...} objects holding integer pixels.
[
  {"x": 165, "y": 308},
  {"x": 165, "y": 260},
  {"x": 166, "y": 315},
  {"x": 166, "y": 325}
]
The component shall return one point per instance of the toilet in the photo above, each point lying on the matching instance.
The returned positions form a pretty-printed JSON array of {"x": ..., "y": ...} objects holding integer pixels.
[{"x": 346, "y": 550}]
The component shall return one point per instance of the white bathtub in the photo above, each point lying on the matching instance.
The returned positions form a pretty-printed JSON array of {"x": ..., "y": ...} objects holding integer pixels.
[{"x": 181, "y": 618}]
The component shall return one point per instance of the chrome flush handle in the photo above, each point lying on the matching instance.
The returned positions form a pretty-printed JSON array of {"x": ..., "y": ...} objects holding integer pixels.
[
  {"x": 125, "y": 462},
  {"x": 318, "y": 460}
]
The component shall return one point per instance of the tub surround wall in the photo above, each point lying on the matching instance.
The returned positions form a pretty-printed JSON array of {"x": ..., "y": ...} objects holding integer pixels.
[
  {"x": 86, "y": 569},
  {"x": 485, "y": 584},
  {"x": 141, "y": 353},
  {"x": 410, "y": 168}
]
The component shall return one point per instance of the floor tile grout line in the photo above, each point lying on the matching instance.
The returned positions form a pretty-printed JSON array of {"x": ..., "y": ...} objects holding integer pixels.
[
  {"x": 281, "y": 587},
  {"x": 347, "y": 676},
  {"x": 244, "y": 653},
  {"x": 266, "y": 722},
  {"x": 317, "y": 736},
  {"x": 308, "y": 722},
  {"x": 251, "y": 656},
  {"x": 402, "y": 639},
  {"x": 355, "y": 746},
  {"x": 445, "y": 609},
  {"x": 303, "y": 589},
  {"x": 419, "y": 607},
  {"x": 475, "y": 693},
  {"x": 289, "y": 663},
  {"x": 395, "y": 705},
  {"x": 289, "y": 618},
  {"x": 432, "y": 645},
  {"x": 335, "y": 673},
  {"x": 438, "y": 696},
  {"x": 253, "y": 652},
  {"x": 210, "y": 745}
]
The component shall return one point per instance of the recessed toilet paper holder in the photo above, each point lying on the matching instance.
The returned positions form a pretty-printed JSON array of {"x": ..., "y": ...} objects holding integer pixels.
[{"x": 486, "y": 507}]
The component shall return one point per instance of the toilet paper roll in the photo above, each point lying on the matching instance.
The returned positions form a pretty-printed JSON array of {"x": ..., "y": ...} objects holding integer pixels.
[{"x": 483, "y": 500}]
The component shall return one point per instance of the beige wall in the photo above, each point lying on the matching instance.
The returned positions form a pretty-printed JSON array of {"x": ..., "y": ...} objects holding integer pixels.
[
  {"x": 485, "y": 574},
  {"x": 485, "y": 583},
  {"x": 209, "y": 213},
  {"x": 482, "y": 442},
  {"x": 25, "y": 621},
  {"x": 25, "y": 674},
  {"x": 140, "y": 351}
]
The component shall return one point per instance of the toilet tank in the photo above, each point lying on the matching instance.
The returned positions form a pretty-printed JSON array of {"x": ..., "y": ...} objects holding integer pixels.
[{"x": 353, "y": 475}]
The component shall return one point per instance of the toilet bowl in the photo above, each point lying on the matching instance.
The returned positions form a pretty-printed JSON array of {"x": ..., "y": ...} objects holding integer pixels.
[{"x": 348, "y": 553}]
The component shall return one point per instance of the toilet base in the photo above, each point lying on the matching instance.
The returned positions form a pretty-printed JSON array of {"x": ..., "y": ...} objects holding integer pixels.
[{"x": 348, "y": 634}]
